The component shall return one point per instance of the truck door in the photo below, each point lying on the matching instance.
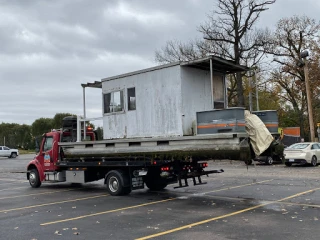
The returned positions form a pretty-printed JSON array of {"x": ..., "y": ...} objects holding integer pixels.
[
  {"x": 6, "y": 151},
  {"x": 49, "y": 152},
  {"x": 1, "y": 152}
]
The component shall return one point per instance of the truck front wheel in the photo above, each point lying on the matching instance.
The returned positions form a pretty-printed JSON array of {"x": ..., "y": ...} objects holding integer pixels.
[
  {"x": 115, "y": 183},
  {"x": 34, "y": 179}
]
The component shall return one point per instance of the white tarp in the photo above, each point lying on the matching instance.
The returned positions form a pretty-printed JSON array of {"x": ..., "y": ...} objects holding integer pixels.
[{"x": 260, "y": 137}]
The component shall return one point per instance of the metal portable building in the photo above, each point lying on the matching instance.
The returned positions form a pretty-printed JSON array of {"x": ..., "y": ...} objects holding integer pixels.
[{"x": 163, "y": 101}]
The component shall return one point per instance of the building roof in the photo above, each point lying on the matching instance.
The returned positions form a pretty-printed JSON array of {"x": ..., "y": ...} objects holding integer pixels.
[{"x": 218, "y": 65}]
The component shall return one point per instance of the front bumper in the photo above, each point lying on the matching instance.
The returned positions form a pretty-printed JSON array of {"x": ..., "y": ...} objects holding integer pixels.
[{"x": 298, "y": 161}]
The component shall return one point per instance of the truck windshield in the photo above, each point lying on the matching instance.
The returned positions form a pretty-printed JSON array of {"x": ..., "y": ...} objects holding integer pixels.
[{"x": 47, "y": 144}]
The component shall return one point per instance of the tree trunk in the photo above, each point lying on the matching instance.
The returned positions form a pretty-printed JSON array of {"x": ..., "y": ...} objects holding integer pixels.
[{"x": 240, "y": 90}]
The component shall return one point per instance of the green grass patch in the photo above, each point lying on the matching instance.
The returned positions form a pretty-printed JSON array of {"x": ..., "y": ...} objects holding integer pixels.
[{"x": 22, "y": 151}]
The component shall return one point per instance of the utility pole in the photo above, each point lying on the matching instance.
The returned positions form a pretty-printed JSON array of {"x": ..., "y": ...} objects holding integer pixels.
[
  {"x": 309, "y": 101},
  {"x": 305, "y": 54},
  {"x": 250, "y": 92},
  {"x": 256, "y": 86}
]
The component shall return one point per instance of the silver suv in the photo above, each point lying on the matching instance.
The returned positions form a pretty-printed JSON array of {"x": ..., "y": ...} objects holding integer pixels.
[{"x": 7, "y": 152}]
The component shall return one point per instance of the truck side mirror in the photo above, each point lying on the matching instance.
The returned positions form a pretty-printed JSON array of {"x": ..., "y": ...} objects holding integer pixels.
[{"x": 37, "y": 148}]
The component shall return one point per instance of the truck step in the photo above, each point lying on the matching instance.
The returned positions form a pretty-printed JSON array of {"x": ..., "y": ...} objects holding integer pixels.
[{"x": 181, "y": 185}]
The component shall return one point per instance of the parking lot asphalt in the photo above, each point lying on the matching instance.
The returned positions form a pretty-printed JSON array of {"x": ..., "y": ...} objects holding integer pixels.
[{"x": 254, "y": 202}]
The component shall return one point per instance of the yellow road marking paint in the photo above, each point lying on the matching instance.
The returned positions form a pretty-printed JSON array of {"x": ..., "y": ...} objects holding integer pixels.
[
  {"x": 222, "y": 189},
  {"x": 11, "y": 188},
  {"x": 110, "y": 211},
  {"x": 141, "y": 205},
  {"x": 239, "y": 186},
  {"x": 259, "y": 200},
  {"x": 224, "y": 216},
  {"x": 36, "y": 194},
  {"x": 53, "y": 203}
]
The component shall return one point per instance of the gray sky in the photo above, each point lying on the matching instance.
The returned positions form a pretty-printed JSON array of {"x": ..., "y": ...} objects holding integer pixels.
[{"x": 48, "y": 48}]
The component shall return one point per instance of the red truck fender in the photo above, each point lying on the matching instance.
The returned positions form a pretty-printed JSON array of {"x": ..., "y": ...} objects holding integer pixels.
[{"x": 34, "y": 164}]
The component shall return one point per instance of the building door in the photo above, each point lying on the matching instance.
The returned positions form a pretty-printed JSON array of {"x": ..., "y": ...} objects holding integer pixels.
[{"x": 218, "y": 91}]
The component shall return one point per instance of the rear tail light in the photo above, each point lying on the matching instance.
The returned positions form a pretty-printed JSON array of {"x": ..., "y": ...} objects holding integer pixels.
[
  {"x": 204, "y": 165},
  {"x": 165, "y": 169}
]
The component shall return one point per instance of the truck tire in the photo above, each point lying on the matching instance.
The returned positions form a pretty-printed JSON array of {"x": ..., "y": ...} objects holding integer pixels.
[
  {"x": 155, "y": 186},
  {"x": 154, "y": 181},
  {"x": 115, "y": 182},
  {"x": 34, "y": 178},
  {"x": 13, "y": 155}
]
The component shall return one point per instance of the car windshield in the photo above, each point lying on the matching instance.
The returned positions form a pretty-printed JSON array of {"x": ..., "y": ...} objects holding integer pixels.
[{"x": 299, "y": 146}]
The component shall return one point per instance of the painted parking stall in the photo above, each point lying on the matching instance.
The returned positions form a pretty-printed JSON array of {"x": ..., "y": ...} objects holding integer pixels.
[{"x": 239, "y": 203}]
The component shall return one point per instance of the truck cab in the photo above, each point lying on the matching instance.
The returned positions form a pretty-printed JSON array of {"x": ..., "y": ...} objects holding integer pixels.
[{"x": 49, "y": 153}]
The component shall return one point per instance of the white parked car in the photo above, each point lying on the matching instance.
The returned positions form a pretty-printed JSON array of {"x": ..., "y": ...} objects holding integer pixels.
[
  {"x": 302, "y": 153},
  {"x": 7, "y": 152}
]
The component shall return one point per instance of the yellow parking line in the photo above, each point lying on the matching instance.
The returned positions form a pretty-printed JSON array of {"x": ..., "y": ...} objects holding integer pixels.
[
  {"x": 26, "y": 195},
  {"x": 228, "y": 188},
  {"x": 11, "y": 188},
  {"x": 221, "y": 189},
  {"x": 224, "y": 216},
  {"x": 110, "y": 211},
  {"x": 53, "y": 203},
  {"x": 141, "y": 205}
]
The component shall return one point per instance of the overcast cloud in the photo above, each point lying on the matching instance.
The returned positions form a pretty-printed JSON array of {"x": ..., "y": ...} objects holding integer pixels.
[{"x": 48, "y": 48}]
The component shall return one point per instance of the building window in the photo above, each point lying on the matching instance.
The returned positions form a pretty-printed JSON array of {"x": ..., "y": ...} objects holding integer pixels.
[
  {"x": 113, "y": 102},
  {"x": 131, "y": 99}
]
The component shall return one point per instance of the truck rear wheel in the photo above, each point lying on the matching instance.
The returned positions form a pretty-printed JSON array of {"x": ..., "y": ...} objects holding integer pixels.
[
  {"x": 115, "y": 182},
  {"x": 154, "y": 181},
  {"x": 34, "y": 178},
  {"x": 156, "y": 186}
]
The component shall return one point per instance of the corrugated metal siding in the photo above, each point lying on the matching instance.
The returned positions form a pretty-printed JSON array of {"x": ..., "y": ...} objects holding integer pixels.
[
  {"x": 158, "y": 102},
  {"x": 196, "y": 96}
]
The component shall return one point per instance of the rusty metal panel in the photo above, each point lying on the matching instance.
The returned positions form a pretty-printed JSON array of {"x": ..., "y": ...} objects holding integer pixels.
[
  {"x": 230, "y": 120},
  {"x": 270, "y": 119}
]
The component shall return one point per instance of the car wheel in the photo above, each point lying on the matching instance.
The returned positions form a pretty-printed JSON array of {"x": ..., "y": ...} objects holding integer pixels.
[
  {"x": 314, "y": 161},
  {"x": 269, "y": 160},
  {"x": 288, "y": 164},
  {"x": 13, "y": 155},
  {"x": 34, "y": 178}
]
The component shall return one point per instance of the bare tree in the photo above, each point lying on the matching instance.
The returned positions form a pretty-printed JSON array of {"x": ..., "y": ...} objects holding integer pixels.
[
  {"x": 292, "y": 36},
  {"x": 229, "y": 34}
]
